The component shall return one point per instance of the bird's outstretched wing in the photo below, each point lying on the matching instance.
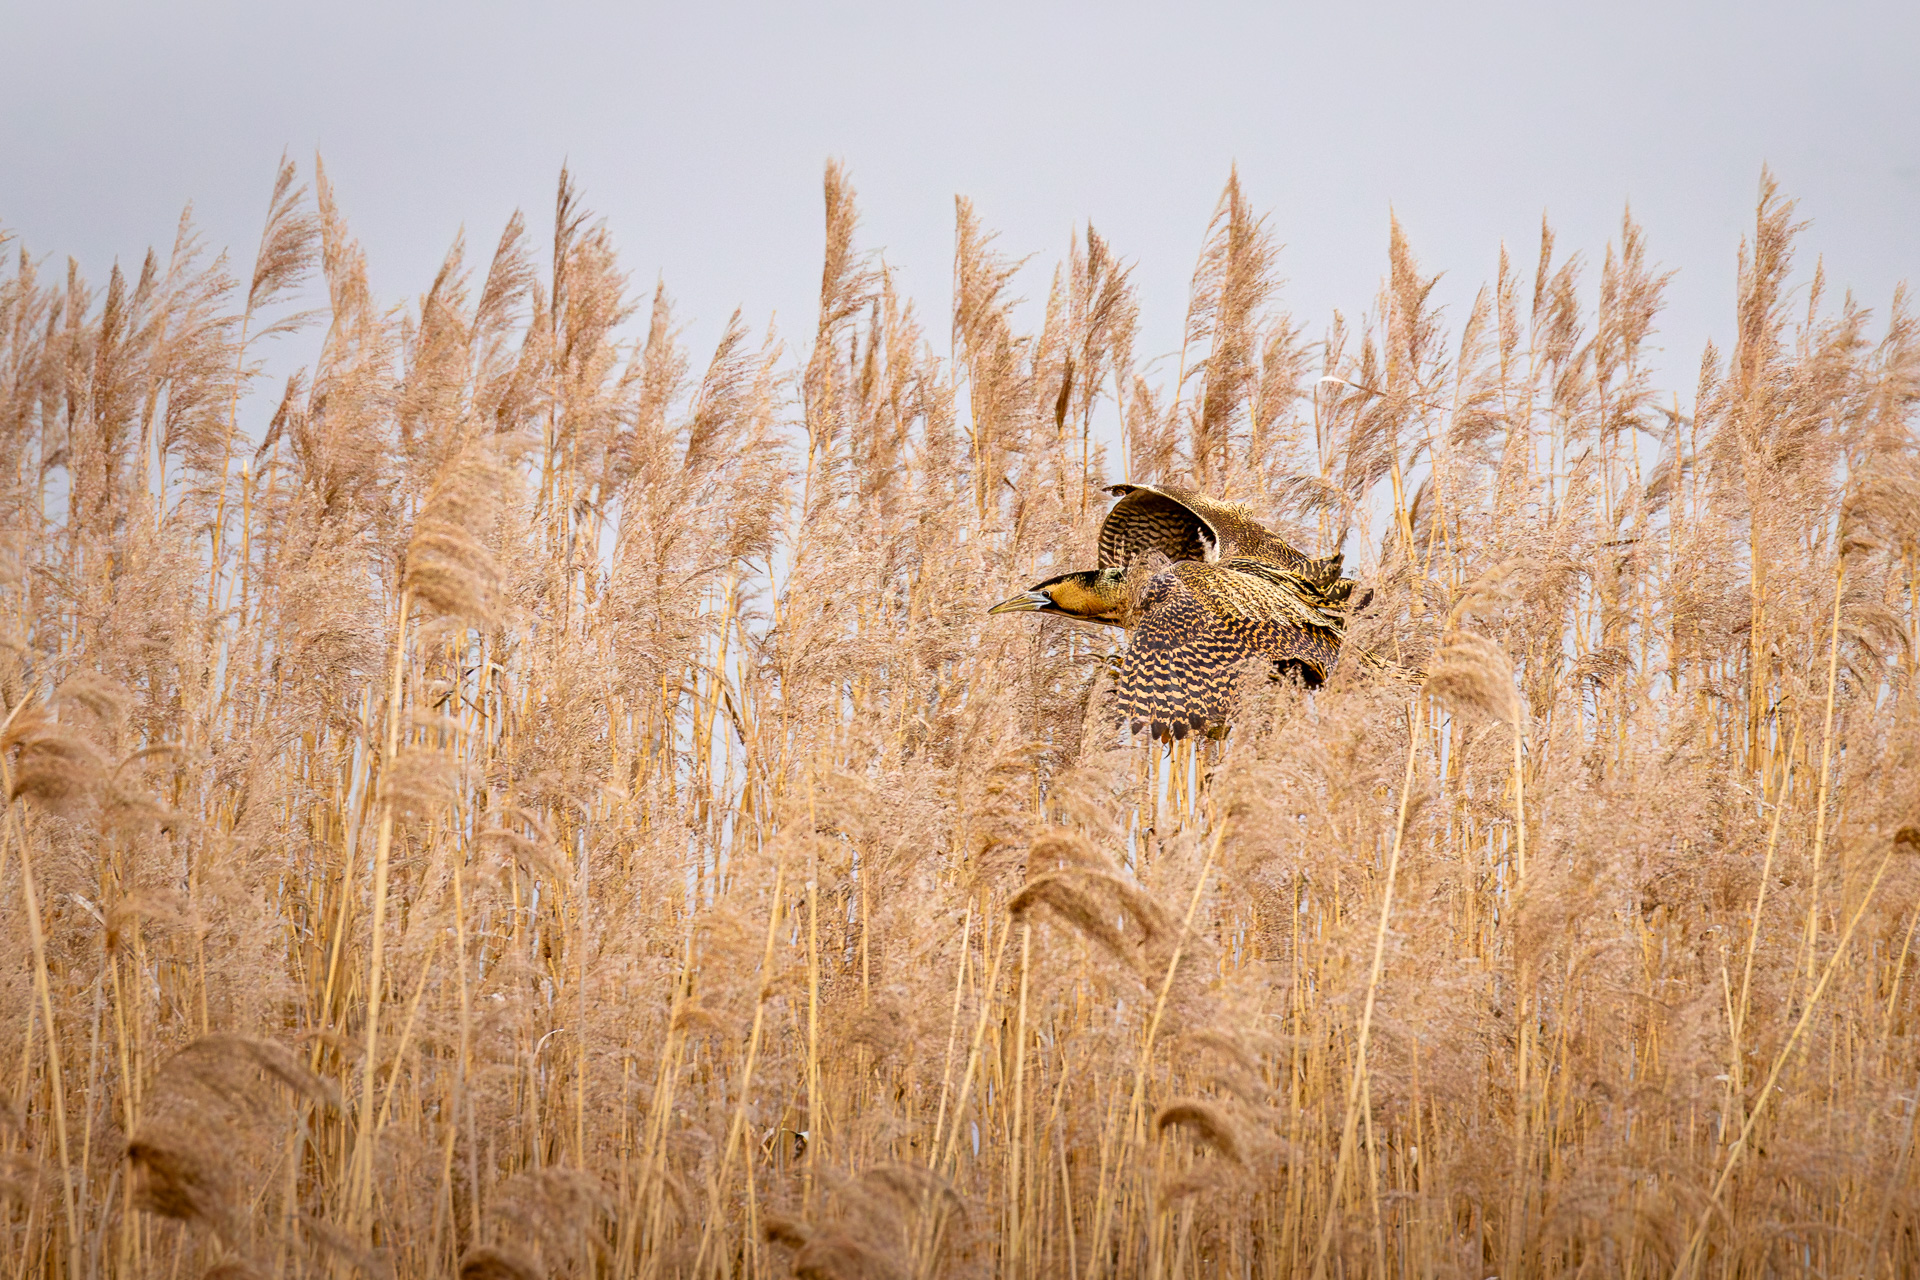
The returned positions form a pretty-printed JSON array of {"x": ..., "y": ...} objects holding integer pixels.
[
  {"x": 1148, "y": 519},
  {"x": 1199, "y": 625},
  {"x": 1184, "y": 524}
]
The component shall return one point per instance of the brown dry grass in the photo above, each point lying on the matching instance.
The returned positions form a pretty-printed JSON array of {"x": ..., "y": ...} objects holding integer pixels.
[{"x": 531, "y": 808}]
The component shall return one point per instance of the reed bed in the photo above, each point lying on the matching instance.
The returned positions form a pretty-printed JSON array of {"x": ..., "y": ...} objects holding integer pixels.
[{"x": 538, "y": 803}]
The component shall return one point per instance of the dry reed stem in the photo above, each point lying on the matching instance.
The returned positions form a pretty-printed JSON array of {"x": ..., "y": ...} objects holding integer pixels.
[
  {"x": 1357, "y": 1079},
  {"x": 37, "y": 936},
  {"x": 718, "y": 1186},
  {"x": 361, "y": 1197},
  {"x": 1736, "y": 1054},
  {"x": 1684, "y": 1266},
  {"x": 1826, "y": 759}
]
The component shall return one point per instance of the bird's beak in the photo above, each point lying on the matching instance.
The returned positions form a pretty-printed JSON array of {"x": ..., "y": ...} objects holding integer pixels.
[{"x": 1025, "y": 602}]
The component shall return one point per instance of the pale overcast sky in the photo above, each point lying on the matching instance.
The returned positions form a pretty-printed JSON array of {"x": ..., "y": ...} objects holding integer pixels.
[{"x": 699, "y": 132}]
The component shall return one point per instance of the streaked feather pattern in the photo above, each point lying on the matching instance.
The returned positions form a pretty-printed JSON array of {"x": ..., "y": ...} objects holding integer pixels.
[
  {"x": 1184, "y": 524},
  {"x": 1200, "y": 623}
]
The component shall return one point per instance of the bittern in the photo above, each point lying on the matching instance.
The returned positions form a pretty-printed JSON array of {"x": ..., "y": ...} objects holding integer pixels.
[{"x": 1236, "y": 591}]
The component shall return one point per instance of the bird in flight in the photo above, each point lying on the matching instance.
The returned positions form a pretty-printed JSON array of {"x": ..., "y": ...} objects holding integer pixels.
[{"x": 1235, "y": 591}]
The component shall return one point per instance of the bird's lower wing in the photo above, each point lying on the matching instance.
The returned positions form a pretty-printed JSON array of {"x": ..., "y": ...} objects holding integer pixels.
[
  {"x": 1179, "y": 669},
  {"x": 1183, "y": 657},
  {"x": 1178, "y": 673}
]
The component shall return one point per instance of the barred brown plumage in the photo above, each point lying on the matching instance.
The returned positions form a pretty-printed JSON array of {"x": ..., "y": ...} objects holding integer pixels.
[
  {"x": 1201, "y": 624},
  {"x": 1184, "y": 524},
  {"x": 1236, "y": 593}
]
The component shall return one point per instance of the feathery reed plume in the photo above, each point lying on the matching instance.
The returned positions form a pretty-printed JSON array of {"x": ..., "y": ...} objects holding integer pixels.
[
  {"x": 1229, "y": 286},
  {"x": 287, "y": 248},
  {"x": 1109, "y": 909},
  {"x": 840, "y": 1257},
  {"x": 204, "y": 1109},
  {"x": 546, "y": 1222},
  {"x": 491, "y": 1262},
  {"x": 450, "y": 569},
  {"x": 232, "y": 1271},
  {"x": 1204, "y": 1121},
  {"x": 1472, "y": 673},
  {"x": 53, "y": 766}
]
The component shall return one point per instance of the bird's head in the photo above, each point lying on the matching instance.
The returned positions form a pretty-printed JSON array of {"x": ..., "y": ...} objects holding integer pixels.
[{"x": 1092, "y": 595}]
